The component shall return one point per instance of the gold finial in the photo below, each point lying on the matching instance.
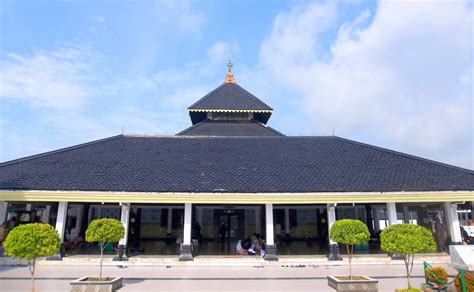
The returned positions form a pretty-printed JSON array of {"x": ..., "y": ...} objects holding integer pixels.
[{"x": 230, "y": 77}]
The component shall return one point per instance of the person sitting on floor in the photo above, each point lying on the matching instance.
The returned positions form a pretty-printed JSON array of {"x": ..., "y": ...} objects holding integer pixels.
[
  {"x": 246, "y": 243},
  {"x": 253, "y": 247},
  {"x": 239, "y": 249}
]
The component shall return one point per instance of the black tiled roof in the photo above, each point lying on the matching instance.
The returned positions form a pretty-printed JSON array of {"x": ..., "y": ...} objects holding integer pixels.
[
  {"x": 230, "y": 164},
  {"x": 230, "y": 96},
  {"x": 229, "y": 128}
]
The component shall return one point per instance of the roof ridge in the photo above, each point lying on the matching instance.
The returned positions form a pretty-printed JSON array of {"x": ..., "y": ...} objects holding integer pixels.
[
  {"x": 237, "y": 87},
  {"x": 60, "y": 150},
  {"x": 190, "y": 128},
  {"x": 253, "y": 137},
  {"x": 466, "y": 170},
  {"x": 204, "y": 97},
  {"x": 269, "y": 128},
  {"x": 252, "y": 96}
]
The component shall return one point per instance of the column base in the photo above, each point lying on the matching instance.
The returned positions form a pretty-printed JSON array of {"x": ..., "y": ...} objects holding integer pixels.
[
  {"x": 121, "y": 253},
  {"x": 334, "y": 254},
  {"x": 186, "y": 252},
  {"x": 270, "y": 253}
]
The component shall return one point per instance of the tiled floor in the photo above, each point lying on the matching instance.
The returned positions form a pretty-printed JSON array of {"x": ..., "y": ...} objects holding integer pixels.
[
  {"x": 173, "y": 278},
  {"x": 209, "y": 247}
]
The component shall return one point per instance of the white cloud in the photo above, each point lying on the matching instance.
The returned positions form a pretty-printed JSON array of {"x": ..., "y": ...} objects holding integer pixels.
[
  {"x": 20, "y": 146},
  {"x": 183, "y": 14},
  {"x": 294, "y": 37},
  {"x": 53, "y": 79},
  {"x": 100, "y": 19},
  {"x": 220, "y": 52},
  {"x": 404, "y": 80},
  {"x": 145, "y": 104}
]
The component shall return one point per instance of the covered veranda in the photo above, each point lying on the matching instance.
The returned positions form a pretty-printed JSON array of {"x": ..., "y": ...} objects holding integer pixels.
[{"x": 188, "y": 224}]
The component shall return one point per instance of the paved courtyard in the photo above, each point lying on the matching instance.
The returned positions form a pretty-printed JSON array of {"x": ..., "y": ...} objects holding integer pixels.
[{"x": 279, "y": 277}]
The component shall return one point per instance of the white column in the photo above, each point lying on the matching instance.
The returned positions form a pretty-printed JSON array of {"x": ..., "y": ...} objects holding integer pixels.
[
  {"x": 188, "y": 208},
  {"x": 3, "y": 211},
  {"x": 45, "y": 215},
  {"x": 287, "y": 221},
  {"x": 61, "y": 219},
  {"x": 392, "y": 213},
  {"x": 257, "y": 221},
  {"x": 453, "y": 221},
  {"x": 124, "y": 218},
  {"x": 331, "y": 219},
  {"x": 169, "y": 223},
  {"x": 269, "y": 224}
]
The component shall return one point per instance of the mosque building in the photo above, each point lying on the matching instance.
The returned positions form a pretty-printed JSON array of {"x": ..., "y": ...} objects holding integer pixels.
[{"x": 230, "y": 176}]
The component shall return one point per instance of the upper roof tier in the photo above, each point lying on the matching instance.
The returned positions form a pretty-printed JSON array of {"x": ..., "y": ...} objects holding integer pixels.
[{"x": 229, "y": 97}]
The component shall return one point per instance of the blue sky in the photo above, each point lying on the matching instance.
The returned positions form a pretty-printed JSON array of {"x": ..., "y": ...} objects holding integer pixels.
[{"x": 392, "y": 74}]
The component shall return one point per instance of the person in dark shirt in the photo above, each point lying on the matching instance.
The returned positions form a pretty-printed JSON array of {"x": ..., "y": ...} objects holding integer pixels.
[
  {"x": 222, "y": 231},
  {"x": 466, "y": 239}
]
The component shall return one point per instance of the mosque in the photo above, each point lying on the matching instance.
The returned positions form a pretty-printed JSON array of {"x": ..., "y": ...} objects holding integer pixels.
[{"x": 230, "y": 176}]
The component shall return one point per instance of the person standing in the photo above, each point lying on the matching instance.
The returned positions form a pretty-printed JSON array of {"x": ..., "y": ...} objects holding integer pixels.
[{"x": 222, "y": 232}]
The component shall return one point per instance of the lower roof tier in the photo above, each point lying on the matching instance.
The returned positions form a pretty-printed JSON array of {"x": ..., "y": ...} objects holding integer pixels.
[
  {"x": 231, "y": 164},
  {"x": 229, "y": 128}
]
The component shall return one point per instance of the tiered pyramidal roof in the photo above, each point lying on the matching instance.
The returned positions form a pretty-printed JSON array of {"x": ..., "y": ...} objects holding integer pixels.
[{"x": 230, "y": 110}]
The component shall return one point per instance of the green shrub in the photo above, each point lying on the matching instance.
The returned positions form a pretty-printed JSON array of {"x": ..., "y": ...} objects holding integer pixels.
[
  {"x": 31, "y": 241},
  {"x": 349, "y": 232},
  {"x": 406, "y": 240},
  {"x": 104, "y": 231}
]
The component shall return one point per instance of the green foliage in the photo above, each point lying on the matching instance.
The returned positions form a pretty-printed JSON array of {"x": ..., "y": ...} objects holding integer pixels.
[
  {"x": 33, "y": 240},
  {"x": 349, "y": 232},
  {"x": 105, "y": 230},
  {"x": 407, "y": 239}
]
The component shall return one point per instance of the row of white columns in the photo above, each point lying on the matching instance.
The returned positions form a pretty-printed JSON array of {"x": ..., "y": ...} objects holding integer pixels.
[{"x": 450, "y": 210}]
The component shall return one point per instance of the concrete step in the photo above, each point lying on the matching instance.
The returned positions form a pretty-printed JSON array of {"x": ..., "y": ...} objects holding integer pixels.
[{"x": 230, "y": 261}]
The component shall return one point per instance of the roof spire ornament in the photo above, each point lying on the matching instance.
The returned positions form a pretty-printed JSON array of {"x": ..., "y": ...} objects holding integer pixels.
[{"x": 230, "y": 77}]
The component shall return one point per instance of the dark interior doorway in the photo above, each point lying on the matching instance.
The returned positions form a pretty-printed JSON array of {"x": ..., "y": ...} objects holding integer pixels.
[{"x": 234, "y": 221}]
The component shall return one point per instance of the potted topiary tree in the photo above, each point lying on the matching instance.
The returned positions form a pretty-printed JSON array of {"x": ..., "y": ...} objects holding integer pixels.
[
  {"x": 31, "y": 241},
  {"x": 351, "y": 232},
  {"x": 407, "y": 240},
  {"x": 105, "y": 231}
]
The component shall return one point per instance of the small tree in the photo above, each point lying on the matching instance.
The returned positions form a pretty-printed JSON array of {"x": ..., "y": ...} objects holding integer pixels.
[
  {"x": 104, "y": 231},
  {"x": 407, "y": 240},
  {"x": 349, "y": 232},
  {"x": 31, "y": 241}
]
